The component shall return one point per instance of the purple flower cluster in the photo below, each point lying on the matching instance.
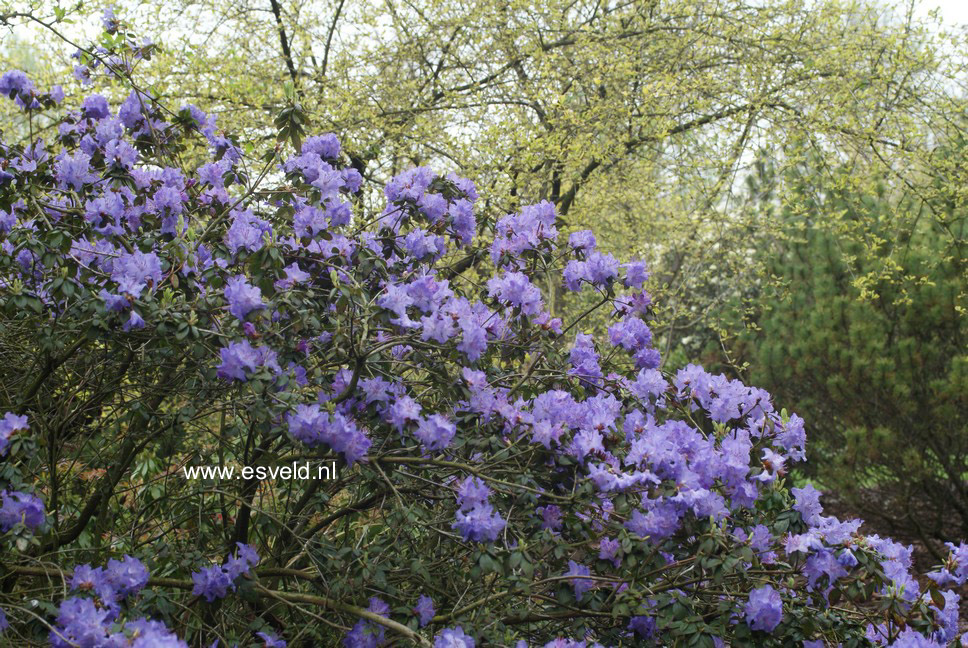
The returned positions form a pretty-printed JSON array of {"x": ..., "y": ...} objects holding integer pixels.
[
  {"x": 453, "y": 638},
  {"x": 135, "y": 271},
  {"x": 369, "y": 634},
  {"x": 313, "y": 426},
  {"x": 516, "y": 290},
  {"x": 17, "y": 86},
  {"x": 764, "y": 609},
  {"x": 112, "y": 584},
  {"x": 94, "y": 622},
  {"x": 21, "y": 508},
  {"x": 580, "y": 578},
  {"x": 955, "y": 569},
  {"x": 240, "y": 360},
  {"x": 80, "y": 622},
  {"x": 216, "y": 581},
  {"x": 424, "y": 609},
  {"x": 477, "y": 520},
  {"x": 248, "y": 232},
  {"x": 531, "y": 229},
  {"x": 435, "y": 432},
  {"x": 8, "y": 425},
  {"x": 634, "y": 335},
  {"x": 242, "y": 297}
]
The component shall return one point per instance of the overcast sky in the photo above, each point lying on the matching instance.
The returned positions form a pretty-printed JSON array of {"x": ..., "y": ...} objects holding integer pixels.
[{"x": 954, "y": 12}]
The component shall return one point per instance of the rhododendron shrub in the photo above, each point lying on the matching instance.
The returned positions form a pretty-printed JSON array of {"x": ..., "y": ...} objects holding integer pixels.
[{"x": 504, "y": 478}]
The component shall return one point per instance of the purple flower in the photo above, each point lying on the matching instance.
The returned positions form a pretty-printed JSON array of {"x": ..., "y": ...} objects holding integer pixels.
[
  {"x": 95, "y": 107},
  {"x": 80, "y": 623},
  {"x": 956, "y": 566},
  {"x": 15, "y": 82},
  {"x": 773, "y": 465},
  {"x": 11, "y": 423},
  {"x": 584, "y": 359},
  {"x": 453, "y": 638},
  {"x": 125, "y": 577},
  {"x": 764, "y": 609},
  {"x": 338, "y": 213},
  {"x": 433, "y": 206},
  {"x": 309, "y": 221},
  {"x": 74, "y": 171},
  {"x": 823, "y": 563},
  {"x": 630, "y": 333},
  {"x": 583, "y": 240},
  {"x": 270, "y": 640},
  {"x": 472, "y": 492},
  {"x": 479, "y": 524},
  {"x": 635, "y": 274},
  {"x": 397, "y": 299},
  {"x": 424, "y": 609},
  {"x": 642, "y": 626},
  {"x": 515, "y": 289},
  {"x": 579, "y": 584},
  {"x": 808, "y": 504},
  {"x": 435, "y": 432},
  {"x": 21, "y": 508},
  {"x": 135, "y": 271},
  {"x": 120, "y": 154},
  {"x": 135, "y": 321},
  {"x": 946, "y": 618},
  {"x": 212, "y": 583},
  {"x": 659, "y": 523},
  {"x": 215, "y": 581},
  {"x": 802, "y": 542},
  {"x": 598, "y": 269},
  {"x": 247, "y": 554},
  {"x": 409, "y": 185},
  {"x": 86, "y": 578},
  {"x": 352, "y": 180},
  {"x": 247, "y": 232},
  {"x": 242, "y": 562},
  {"x": 550, "y": 517},
  {"x": 367, "y": 634},
  {"x": 150, "y": 634},
  {"x": 325, "y": 146},
  {"x": 587, "y": 442},
  {"x": 168, "y": 201},
  {"x": 516, "y": 234},
  {"x": 82, "y": 73},
  {"x": 792, "y": 438},
  {"x": 404, "y": 410},
  {"x": 17, "y": 86},
  {"x": 109, "y": 21},
  {"x": 462, "y": 220},
  {"x": 243, "y": 297},
  {"x": 241, "y": 359},
  {"x": 309, "y": 425},
  {"x": 608, "y": 549}
]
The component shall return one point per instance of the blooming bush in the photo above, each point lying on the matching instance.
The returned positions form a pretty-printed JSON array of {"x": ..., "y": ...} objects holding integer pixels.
[{"x": 504, "y": 478}]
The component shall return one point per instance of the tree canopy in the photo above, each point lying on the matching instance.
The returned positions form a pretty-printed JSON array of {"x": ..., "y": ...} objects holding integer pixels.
[{"x": 639, "y": 118}]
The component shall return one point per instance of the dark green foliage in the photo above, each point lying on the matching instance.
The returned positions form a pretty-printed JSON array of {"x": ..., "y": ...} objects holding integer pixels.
[{"x": 862, "y": 331}]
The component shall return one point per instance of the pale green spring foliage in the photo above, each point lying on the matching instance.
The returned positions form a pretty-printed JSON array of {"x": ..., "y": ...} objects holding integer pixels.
[{"x": 641, "y": 118}]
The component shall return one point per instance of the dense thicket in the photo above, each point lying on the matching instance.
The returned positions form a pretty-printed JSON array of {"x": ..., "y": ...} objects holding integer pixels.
[
  {"x": 503, "y": 478},
  {"x": 861, "y": 328}
]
